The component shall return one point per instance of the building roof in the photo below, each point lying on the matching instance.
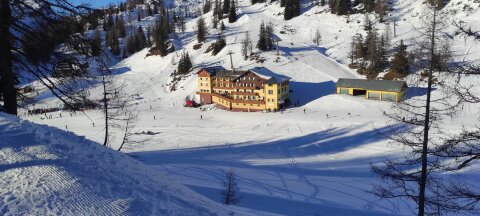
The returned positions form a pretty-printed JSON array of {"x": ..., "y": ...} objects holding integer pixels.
[
  {"x": 212, "y": 70},
  {"x": 230, "y": 73},
  {"x": 269, "y": 75},
  {"x": 376, "y": 85}
]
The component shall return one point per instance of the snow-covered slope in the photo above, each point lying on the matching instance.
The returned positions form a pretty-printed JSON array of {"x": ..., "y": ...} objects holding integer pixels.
[
  {"x": 46, "y": 171},
  {"x": 312, "y": 159}
]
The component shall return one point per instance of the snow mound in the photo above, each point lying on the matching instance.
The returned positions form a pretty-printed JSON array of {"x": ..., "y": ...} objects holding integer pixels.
[{"x": 46, "y": 171}]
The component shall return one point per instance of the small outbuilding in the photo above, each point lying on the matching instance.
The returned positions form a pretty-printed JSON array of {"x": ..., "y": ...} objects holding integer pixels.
[{"x": 386, "y": 90}]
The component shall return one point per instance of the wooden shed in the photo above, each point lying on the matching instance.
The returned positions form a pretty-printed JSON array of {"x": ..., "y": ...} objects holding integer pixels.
[{"x": 387, "y": 90}]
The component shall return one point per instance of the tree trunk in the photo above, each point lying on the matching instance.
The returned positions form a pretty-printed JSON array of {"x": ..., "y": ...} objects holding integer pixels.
[
  {"x": 423, "y": 178},
  {"x": 105, "y": 105},
  {"x": 6, "y": 72}
]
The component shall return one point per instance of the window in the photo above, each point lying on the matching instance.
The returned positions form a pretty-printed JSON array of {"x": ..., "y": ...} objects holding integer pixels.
[
  {"x": 201, "y": 84},
  {"x": 200, "y": 78},
  {"x": 253, "y": 78},
  {"x": 270, "y": 92}
]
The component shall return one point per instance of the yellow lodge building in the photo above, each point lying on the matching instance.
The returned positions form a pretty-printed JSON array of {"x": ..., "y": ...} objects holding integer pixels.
[{"x": 257, "y": 89}]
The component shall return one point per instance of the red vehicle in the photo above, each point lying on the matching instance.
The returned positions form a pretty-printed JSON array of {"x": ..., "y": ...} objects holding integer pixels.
[{"x": 190, "y": 103}]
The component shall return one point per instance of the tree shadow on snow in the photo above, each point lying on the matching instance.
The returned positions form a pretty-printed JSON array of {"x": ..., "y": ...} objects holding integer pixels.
[
  {"x": 326, "y": 142},
  {"x": 304, "y": 92},
  {"x": 284, "y": 153},
  {"x": 283, "y": 206},
  {"x": 415, "y": 92}
]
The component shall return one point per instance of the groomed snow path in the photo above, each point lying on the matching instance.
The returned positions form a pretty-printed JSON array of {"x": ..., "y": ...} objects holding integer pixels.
[{"x": 46, "y": 171}]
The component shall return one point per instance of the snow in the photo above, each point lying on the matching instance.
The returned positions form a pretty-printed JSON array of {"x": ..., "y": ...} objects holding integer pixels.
[
  {"x": 312, "y": 159},
  {"x": 47, "y": 171}
]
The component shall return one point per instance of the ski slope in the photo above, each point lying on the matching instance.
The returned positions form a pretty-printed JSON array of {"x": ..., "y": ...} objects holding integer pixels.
[
  {"x": 313, "y": 159},
  {"x": 46, "y": 171}
]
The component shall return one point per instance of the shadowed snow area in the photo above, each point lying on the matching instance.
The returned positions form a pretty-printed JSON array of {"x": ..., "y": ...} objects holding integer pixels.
[{"x": 46, "y": 171}]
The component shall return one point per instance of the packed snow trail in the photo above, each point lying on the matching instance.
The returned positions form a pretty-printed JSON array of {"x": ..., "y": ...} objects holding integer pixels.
[{"x": 46, "y": 171}]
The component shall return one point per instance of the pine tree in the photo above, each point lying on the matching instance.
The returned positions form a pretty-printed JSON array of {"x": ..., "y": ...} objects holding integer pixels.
[
  {"x": 232, "y": 16},
  {"x": 222, "y": 26},
  {"x": 219, "y": 44},
  {"x": 110, "y": 21},
  {"x": 160, "y": 37},
  {"x": 96, "y": 43},
  {"x": 207, "y": 6},
  {"x": 139, "y": 15},
  {"x": 226, "y": 6},
  {"x": 343, "y": 7},
  {"x": 369, "y": 5},
  {"x": 215, "y": 22},
  {"x": 120, "y": 27},
  {"x": 140, "y": 37},
  {"x": 149, "y": 10},
  {"x": 201, "y": 30},
  {"x": 292, "y": 9},
  {"x": 185, "y": 64},
  {"x": 262, "y": 40},
  {"x": 400, "y": 63},
  {"x": 269, "y": 35},
  {"x": 149, "y": 42},
  {"x": 155, "y": 9},
  {"x": 381, "y": 8},
  {"x": 181, "y": 24},
  {"x": 115, "y": 47}
]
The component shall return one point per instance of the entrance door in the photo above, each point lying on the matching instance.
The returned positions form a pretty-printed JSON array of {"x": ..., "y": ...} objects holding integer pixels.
[
  {"x": 389, "y": 97},
  {"x": 374, "y": 95},
  {"x": 343, "y": 91}
]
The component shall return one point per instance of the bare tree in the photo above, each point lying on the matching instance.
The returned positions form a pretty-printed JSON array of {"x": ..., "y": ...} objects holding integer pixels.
[
  {"x": 419, "y": 175},
  {"x": 317, "y": 37},
  {"x": 247, "y": 45},
  {"x": 30, "y": 35},
  {"x": 128, "y": 133},
  {"x": 230, "y": 189}
]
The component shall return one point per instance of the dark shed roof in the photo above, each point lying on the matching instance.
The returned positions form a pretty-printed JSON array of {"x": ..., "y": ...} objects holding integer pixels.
[{"x": 376, "y": 85}]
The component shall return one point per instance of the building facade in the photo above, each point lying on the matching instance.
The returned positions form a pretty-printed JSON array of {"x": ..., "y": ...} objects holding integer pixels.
[
  {"x": 386, "y": 90},
  {"x": 257, "y": 89}
]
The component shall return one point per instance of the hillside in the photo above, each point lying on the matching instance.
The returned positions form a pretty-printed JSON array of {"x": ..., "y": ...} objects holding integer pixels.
[
  {"x": 311, "y": 159},
  {"x": 46, "y": 171}
]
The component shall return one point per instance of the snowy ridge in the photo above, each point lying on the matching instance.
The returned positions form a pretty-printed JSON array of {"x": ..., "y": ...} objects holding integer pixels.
[{"x": 46, "y": 171}]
